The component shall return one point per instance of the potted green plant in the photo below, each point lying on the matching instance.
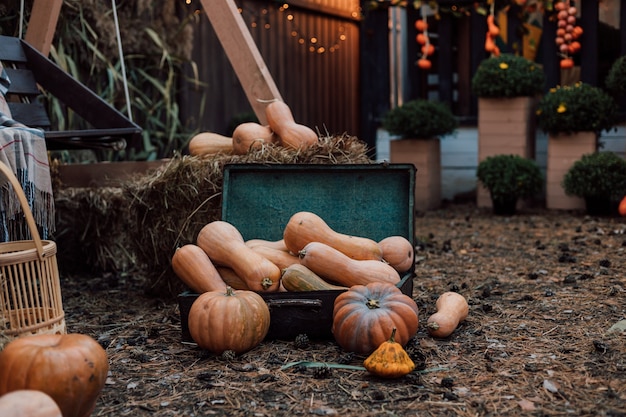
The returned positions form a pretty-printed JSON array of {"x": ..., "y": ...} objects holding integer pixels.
[
  {"x": 508, "y": 76},
  {"x": 600, "y": 179},
  {"x": 424, "y": 119},
  {"x": 507, "y": 87},
  {"x": 576, "y": 108},
  {"x": 573, "y": 117},
  {"x": 509, "y": 178},
  {"x": 419, "y": 125}
]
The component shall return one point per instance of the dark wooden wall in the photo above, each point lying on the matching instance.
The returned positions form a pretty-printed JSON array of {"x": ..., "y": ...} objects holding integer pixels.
[{"x": 321, "y": 86}]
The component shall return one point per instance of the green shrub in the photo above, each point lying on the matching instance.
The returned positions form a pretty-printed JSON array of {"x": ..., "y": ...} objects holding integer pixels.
[
  {"x": 597, "y": 175},
  {"x": 508, "y": 76},
  {"x": 510, "y": 177},
  {"x": 420, "y": 119},
  {"x": 576, "y": 108}
]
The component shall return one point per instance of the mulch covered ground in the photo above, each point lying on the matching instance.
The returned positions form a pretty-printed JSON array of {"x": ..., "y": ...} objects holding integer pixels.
[{"x": 547, "y": 295}]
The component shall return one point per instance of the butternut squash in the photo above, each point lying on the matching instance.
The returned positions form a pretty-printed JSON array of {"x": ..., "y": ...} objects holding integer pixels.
[
  {"x": 305, "y": 227},
  {"x": 231, "y": 278},
  {"x": 290, "y": 134},
  {"x": 298, "y": 277},
  {"x": 397, "y": 252},
  {"x": 250, "y": 135},
  {"x": 278, "y": 244},
  {"x": 452, "y": 308},
  {"x": 194, "y": 268},
  {"x": 280, "y": 258},
  {"x": 333, "y": 265},
  {"x": 225, "y": 246},
  {"x": 209, "y": 143}
]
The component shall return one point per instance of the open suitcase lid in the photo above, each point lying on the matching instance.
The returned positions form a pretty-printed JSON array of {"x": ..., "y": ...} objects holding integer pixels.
[{"x": 369, "y": 200}]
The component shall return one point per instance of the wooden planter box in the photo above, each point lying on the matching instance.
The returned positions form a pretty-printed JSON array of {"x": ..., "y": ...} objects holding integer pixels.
[
  {"x": 425, "y": 155},
  {"x": 506, "y": 126},
  {"x": 563, "y": 151}
]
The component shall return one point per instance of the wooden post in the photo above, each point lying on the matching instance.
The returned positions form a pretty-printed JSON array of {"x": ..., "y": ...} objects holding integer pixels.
[
  {"x": 243, "y": 54},
  {"x": 42, "y": 24}
]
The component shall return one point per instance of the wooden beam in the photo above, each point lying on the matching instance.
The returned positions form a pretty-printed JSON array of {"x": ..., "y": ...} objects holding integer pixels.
[
  {"x": 42, "y": 24},
  {"x": 243, "y": 54}
]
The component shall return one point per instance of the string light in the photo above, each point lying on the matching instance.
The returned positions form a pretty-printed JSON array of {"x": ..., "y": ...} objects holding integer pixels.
[{"x": 313, "y": 43}]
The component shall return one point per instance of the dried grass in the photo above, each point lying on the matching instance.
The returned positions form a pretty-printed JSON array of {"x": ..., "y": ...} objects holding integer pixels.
[{"x": 136, "y": 228}]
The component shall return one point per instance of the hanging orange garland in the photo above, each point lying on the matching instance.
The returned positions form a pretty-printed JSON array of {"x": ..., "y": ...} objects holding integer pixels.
[
  {"x": 423, "y": 39},
  {"x": 567, "y": 32},
  {"x": 492, "y": 33}
]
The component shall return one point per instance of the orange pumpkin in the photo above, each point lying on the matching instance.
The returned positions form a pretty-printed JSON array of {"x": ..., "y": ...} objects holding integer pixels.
[
  {"x": 622, "y": 207},
  {"x": 364, "y": 316},
  {"x": 70, "y": 368},
  {"x": 236, "y": 320},
  {"x": 566, "y": 63}
]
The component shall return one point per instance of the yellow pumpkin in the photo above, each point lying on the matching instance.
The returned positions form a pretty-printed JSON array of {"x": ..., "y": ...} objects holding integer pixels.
[{"x": 389, "y": 360}]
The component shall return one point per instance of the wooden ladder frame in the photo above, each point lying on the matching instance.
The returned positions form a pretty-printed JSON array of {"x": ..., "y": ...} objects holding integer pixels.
[{"x": 231, "y": 31}]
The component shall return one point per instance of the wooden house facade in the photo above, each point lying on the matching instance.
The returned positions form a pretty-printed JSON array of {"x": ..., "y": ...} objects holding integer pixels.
[{"x": 333, "y": 60}]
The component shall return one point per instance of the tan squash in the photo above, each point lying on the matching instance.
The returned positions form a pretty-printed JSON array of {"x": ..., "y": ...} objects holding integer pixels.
[
  {"x": 290, "y": 134},
  {"x": 250, "y": 135},
  {"x": 280, "y": 258},
  {"x": 331, "y": 264},
  {"x": 196, "y": 270},
  {"x": 274, "y": 244},
  {"x": 28, "y": 403},
  {"x": 398, "y": 252},
  {"x": 231, "y": 278},
  {"x": 452, "y": 308},
  {"x": 209, "y": 143},
  {"x": 298, "y": 277},
  {"x": 305, "y": 227},
  {"x": 389, "y": 360},
  {"x": 225, "y": 246}
]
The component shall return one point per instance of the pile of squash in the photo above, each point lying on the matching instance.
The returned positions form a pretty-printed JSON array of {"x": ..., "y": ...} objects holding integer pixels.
[
  {"x": 281, "y": 130},
  {"x": 310, "y": 257},
  {"x": 370, "y": 312},
  {"x": 225, "y": 269}
]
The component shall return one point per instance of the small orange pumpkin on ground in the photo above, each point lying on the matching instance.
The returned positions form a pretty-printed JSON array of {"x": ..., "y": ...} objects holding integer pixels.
[
  {"x": 236, "y": 320},
  {"x": 621, "y": 209},
  {"x": 364, "y": 315},
  {"x": 70, "y": 368},
  {"x": 389, "y": 360}
]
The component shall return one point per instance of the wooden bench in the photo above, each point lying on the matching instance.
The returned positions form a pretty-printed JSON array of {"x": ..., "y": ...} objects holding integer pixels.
[{"x": 29, "y": 72}]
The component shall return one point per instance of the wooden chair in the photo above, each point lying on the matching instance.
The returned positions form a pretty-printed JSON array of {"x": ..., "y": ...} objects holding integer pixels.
[{"x": 29, "y": 71}]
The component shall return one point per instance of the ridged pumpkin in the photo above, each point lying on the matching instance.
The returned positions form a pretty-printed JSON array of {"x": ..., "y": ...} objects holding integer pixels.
[
  {"x": 70, "y": 368},
  {"x": 236, "y": 320},
  {"x": 364, "y": 315}
]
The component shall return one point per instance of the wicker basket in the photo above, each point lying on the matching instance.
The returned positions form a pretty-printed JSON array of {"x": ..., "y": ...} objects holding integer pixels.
[{"x": 30, "y": 291}]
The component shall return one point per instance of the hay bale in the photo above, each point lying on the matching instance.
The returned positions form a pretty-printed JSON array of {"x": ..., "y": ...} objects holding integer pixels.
[{"x": 134, "y": 229}]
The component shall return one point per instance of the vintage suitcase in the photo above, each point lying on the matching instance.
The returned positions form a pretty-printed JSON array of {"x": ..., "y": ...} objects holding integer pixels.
[{"x": 370, "y": 200}]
